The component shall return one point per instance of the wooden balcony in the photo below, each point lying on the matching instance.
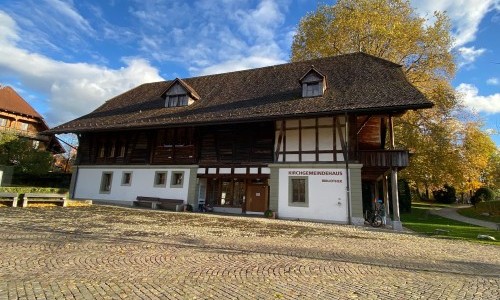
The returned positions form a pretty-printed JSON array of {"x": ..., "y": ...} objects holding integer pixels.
[{"x": 384, "y": 158}]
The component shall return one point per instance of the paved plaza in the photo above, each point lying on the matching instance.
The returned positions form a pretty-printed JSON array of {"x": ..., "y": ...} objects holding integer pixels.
[{"x": 103, "y": 252}]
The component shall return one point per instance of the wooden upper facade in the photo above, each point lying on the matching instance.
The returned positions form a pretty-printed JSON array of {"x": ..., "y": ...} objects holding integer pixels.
[
  {"x": 321, "y": 111},
  {"x": 305, "y": 140}
]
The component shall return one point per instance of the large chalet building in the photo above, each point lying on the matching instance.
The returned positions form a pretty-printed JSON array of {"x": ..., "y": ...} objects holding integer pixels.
[{"x": 301, "y": 139}]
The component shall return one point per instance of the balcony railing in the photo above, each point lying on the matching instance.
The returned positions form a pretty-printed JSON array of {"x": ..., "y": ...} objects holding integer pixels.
[{"x": 384, "y": 158}]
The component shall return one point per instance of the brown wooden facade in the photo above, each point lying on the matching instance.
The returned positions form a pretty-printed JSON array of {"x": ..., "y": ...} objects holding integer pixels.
[
  {"x": 235, "y": 144},
  {"x": 247, "y": 145}
]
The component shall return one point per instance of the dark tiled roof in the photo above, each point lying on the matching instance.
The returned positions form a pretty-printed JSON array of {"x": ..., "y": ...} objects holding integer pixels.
[
  {"x": 11, "y": 101},
  {"x": 356, "y": 82}
]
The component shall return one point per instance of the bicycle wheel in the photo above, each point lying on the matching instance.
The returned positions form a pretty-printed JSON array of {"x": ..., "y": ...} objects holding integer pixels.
[{"x": 377, "y": 221}]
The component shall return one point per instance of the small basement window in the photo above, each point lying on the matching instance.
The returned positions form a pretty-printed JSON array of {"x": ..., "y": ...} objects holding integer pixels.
[
  {"x": 160, "y": 179},
  {"x": 126, "y": 178},
  {"x": 106, "y": 180},
  {"x": 177, "y": 179}
]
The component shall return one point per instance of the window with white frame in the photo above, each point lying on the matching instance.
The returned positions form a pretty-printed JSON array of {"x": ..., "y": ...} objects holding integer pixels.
[
  {"x": 298, "y": 191},
  {"x": 3, "y": 122},
  {"x": 160, "y": 179},
  {"x": 106, "y": 180}
]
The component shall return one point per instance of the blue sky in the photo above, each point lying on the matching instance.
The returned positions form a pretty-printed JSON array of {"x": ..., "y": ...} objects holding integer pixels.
[{"x": 67, "y": 57}]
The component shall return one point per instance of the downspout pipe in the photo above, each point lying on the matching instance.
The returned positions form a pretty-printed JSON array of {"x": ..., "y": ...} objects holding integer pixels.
[{"x": 346, "y": 157}]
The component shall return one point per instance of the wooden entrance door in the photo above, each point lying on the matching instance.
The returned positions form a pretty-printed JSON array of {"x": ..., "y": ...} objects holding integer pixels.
[{"x": 257, "y": 197}]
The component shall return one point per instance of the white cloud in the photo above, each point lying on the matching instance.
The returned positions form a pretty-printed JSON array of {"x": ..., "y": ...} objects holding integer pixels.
[
  {"x": 72, "y": 89},
  {"x": 491, "y": 131},
  {"x": 493, "y": 81},
  {"x": 239, "y": 64},
  {"x": 51, "y": 27},
  {"x": 466, "y": 15},
  {"x": 67, "y": 11},
  {"x": 8, "y": 29},
  {"x": 260, "y": 22},
  {"x": 475, "y": 102},
  {"x": 469, "y": 55},
  {"x": 215, "y": 36}
]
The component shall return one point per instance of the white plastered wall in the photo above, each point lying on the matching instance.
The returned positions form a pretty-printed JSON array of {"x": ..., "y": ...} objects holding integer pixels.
[
  {"x": 88, "y": 183},
  {"x": 327, "y": 196}
]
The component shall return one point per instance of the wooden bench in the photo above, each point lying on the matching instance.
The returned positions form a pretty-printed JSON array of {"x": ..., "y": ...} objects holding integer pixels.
[
  {"x": 156, "y": 202},
  {"x": 46, "y": 198},
  {"x": 9, "y": 197}
]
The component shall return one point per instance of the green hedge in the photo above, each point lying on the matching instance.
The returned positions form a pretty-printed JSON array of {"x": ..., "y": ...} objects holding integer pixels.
[
  {"x": 49, "y": 180},
  {"x": 28, "y": 189}
]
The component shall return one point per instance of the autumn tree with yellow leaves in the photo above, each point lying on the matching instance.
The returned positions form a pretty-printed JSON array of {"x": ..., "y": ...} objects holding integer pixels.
[{"x": 447, "y": 149}]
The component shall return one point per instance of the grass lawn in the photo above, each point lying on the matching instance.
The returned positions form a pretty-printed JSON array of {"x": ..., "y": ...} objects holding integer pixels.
[
  {"x": 492, "y": 208},
  {"x": 422, "y": 221}
]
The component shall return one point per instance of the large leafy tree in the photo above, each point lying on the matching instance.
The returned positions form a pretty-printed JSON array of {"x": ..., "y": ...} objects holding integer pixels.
[
  {"x": 479, "y": 154},
  {"x": 391, "y": 29},
  {"x": 492, "y": 174},
  {"x": 21, "y": 154}
]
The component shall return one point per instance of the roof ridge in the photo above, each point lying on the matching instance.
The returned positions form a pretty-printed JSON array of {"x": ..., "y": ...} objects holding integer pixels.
[
  {"x": 382, "y": 60},
  {"x": 17, "y": 103}
]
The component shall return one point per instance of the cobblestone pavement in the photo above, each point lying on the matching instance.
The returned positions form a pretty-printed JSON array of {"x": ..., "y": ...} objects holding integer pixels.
[{"x": 102, "y": 252}]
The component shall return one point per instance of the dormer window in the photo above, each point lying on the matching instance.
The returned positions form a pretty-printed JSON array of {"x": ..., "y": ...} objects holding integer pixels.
[
  {"x": 176, "y": 100},
  {"x": 179, "y": 93},
  {"x": 313, "y": 83},
  {"x": 313, "y": 89}
]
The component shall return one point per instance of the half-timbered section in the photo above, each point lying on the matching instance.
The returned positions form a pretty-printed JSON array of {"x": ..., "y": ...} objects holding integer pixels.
[
  {"x": 311, "y": 140},
  {"x": 301, "y": 139}
]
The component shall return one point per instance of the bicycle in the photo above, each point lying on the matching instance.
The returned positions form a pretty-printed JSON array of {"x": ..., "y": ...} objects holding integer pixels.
[{"x": 373, "y": 217}]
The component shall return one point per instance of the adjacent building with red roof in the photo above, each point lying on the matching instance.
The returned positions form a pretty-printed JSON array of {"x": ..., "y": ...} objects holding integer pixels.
[{"x": 20, "y": 118}]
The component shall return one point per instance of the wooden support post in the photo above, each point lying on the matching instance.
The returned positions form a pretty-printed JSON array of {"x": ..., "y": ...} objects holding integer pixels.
[
  {"x": 396, "y": 221},
  {"x": 280, "y": 139},
  {"x": 385, "y": 188}
]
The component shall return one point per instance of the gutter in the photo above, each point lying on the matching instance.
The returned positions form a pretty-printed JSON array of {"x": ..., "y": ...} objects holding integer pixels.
[{"x": 346, "y": 156}]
